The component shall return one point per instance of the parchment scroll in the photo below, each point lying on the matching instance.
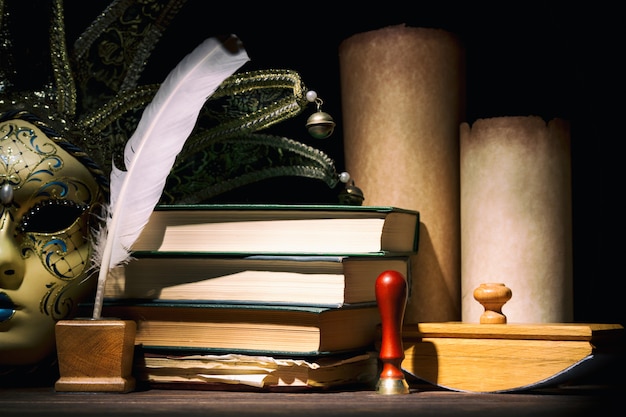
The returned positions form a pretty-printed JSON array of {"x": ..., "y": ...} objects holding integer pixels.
[
  {"x": 516, "y": 216},
  {"x": 403, "y": 97}
]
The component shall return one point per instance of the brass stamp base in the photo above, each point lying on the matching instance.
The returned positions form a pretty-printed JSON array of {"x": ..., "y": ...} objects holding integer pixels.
[{"x": 388, "y": 386}]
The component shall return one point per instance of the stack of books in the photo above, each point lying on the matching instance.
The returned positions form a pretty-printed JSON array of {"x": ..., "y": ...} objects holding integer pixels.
[{"x": 263, "y": 296}]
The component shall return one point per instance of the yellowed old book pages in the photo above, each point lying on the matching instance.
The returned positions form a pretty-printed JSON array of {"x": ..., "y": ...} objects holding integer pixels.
[
  {"x": 502, "y": 357},
  {"x": 196, "y": 371},
  {"x": 302, "y": 280}
]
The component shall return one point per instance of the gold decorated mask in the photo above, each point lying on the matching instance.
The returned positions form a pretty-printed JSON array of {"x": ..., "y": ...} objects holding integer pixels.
[
  {"x": 46, "y": 200},
  {"x": 60, "y": 135}
]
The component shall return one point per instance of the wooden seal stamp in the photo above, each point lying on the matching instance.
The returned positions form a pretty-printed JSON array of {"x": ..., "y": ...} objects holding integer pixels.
[{"x": 391, "y": 295}]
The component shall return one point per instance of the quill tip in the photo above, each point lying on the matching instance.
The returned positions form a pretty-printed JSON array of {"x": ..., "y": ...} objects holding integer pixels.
[{"x": 231, "y": 43}]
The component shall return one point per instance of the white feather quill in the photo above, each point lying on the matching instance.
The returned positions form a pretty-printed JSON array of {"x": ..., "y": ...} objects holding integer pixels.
[{"x": 150, "y": 153}]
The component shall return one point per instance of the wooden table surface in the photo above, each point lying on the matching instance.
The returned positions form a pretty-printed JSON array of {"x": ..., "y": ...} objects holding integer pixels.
[{"x": 421, "y": 401}]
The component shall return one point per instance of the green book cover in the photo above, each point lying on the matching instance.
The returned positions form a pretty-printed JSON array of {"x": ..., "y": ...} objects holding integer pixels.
[{"x": 285, "y": 207}]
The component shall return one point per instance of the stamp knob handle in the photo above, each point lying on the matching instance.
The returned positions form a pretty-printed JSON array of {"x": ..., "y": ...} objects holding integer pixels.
[{"x": 492, "y": 295}]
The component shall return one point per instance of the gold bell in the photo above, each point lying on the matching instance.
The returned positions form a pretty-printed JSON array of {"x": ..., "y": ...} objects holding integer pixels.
[
  {"x": 320, "y": 125},
  {"x": 351, "y": 195}
]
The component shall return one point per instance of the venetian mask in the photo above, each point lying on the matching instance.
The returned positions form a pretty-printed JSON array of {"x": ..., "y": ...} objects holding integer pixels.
[
  {"x": 52, "y": 179},
  {"x": 46, "y": 200}
]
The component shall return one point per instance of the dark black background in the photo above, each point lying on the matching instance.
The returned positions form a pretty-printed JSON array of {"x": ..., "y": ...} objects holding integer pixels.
[{"x": 523, "y": 58}]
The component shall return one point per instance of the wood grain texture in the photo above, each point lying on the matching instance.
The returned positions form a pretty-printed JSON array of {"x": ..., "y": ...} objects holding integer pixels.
[
  {"x": 502, "y": 357},
  {"x": 95, "y": 355}
]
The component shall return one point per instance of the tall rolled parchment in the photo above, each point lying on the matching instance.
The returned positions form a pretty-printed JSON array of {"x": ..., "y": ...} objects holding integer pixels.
[
  {"x": 403, "y": 97},
  {"x": 516, "y": 216}
]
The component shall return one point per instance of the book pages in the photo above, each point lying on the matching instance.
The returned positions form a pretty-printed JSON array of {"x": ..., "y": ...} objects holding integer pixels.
[
  {"x": 516, "y": 216},
  {"x": 403, "y": 94},
  {"x": 261, "y": 371}
]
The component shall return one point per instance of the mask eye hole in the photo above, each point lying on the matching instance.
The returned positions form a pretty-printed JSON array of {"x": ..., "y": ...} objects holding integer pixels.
[{"x": 51, "y": 216}]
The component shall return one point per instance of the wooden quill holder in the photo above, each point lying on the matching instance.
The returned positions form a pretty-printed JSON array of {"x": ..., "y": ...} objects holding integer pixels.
[{"x": 95, "y": 355}]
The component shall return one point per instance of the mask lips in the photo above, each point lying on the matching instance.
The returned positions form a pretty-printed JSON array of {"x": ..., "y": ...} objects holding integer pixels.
[{"x": 7, "y": 308}]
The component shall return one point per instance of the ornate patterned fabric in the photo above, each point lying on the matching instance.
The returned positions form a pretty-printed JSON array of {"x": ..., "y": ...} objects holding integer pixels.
[{"x": 90, "y": 92}]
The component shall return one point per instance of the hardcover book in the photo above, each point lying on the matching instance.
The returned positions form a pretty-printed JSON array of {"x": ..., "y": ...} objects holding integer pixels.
[
  {"x": 305, "y": 280},
  {"x": 280, "y": 229},
  {"x": 244, "y": 328},
  {"x": 240, "y": 372}
]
